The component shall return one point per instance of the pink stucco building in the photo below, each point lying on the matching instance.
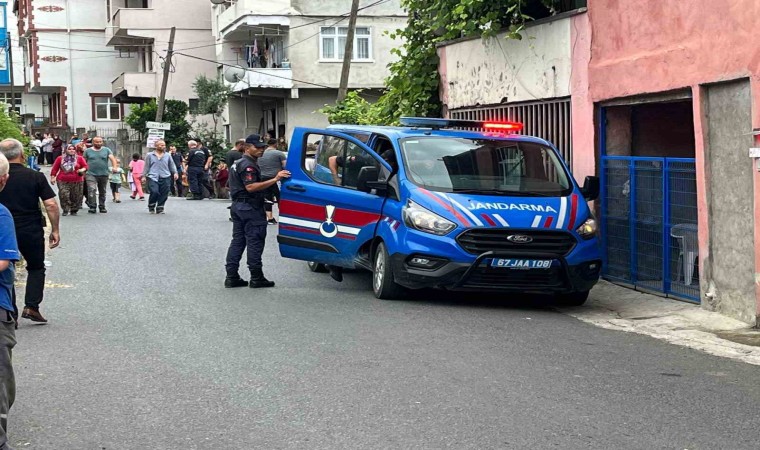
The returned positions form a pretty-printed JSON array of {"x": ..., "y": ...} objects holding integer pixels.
[{"x": 664, "y": 101}]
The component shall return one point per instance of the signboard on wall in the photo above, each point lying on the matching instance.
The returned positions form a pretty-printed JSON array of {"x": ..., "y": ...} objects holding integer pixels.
[{"x": 154, "y": 136}]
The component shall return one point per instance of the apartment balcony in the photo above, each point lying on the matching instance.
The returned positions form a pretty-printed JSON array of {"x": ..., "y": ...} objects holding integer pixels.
[
  {"x": 243, "y": 16},
  {"x": 133, "y": 87},
  {"x": 121, "y": 30},
  {"x": 259, "y": 78}
]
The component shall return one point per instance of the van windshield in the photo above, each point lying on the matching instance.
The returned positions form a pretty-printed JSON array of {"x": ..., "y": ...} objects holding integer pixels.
[{"x": 486, "y": 166}]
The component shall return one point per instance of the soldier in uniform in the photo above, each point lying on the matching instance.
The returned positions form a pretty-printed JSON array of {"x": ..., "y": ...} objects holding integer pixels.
[{"x": 249, "y": 220}]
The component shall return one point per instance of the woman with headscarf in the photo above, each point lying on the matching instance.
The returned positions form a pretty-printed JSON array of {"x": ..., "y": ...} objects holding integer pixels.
[{"x": 68, "y": 171}]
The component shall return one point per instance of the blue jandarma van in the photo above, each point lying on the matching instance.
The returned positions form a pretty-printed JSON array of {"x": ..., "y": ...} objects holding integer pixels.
[{"x": 425, "y": 205}]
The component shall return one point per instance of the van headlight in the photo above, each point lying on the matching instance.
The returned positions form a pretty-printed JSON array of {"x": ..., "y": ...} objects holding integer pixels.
[
  {"x": 419, "y": 218},
  {"x": 588, "y": 229}
]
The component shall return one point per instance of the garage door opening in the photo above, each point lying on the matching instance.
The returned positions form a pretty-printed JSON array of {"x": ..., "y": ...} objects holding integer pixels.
[{"x": 649, "y": 199}]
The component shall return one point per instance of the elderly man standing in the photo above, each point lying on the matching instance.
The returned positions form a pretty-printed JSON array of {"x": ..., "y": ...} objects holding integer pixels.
[
  {"x": 9, "y": 254},
  {"x": 22, "y": 194},
  {"x": 161, "y": 173},
  {"x": 198, "y": 163},
  {"x": 98, "y": 173}
]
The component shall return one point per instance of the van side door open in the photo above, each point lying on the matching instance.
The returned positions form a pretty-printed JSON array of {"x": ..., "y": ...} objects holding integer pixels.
[{"x": 324, "y": 216}]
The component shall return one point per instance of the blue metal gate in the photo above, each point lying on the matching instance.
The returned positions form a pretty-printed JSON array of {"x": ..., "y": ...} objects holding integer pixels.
[{"x": 649, "y": 224}]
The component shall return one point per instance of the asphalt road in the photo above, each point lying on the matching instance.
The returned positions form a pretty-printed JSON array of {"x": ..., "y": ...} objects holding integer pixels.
[{"x": 146, "y": 350}]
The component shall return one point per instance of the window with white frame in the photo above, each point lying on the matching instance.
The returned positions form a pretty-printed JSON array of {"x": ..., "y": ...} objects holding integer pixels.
[
  {"x": 106, "y": 108},
  {"x": 5, "y": 97},
  {"x": 332, "y": 43}
]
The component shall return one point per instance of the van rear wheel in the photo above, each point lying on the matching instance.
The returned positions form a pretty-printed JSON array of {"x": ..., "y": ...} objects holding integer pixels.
[
  {"x": 383, "y": 285},
  {"x": 317, "y": 267},
  {"x": 572, "y": 299}
]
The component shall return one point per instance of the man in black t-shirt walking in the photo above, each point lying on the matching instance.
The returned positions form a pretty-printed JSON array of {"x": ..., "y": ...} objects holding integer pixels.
[
  {"x": 198, "y": 163},
  {"x": 22, "y": 195}
]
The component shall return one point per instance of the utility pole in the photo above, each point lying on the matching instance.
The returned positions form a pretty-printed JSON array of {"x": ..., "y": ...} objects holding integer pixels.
[
  {"x": 10, "y": 64},
  {"x": 167, "y": 69},
  {"x": 349, "y": 52}
]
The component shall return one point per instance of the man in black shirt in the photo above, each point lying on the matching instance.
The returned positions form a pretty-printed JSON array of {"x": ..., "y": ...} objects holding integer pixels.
[
  {"x": 178, "y": 190},
  {"x": 198, "y": 163},
  {"x": 22, "y": 195},
  {"x": 235, "y": 154},
  {"x": 249, "y": 220}
]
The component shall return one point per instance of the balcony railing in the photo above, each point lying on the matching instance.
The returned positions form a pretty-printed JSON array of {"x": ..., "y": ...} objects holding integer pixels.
[{"x": 264, "y": 78}]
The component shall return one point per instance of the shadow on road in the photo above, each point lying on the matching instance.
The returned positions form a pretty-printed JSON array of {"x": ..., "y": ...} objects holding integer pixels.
[{"x": 528, "y": 302}]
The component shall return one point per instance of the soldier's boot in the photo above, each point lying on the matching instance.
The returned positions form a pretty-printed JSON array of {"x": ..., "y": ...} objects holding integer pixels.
[
  {"x": 258, "y": 280},
  {"x": 336, "y": 273},
  {"x": 233, "y": 280}
]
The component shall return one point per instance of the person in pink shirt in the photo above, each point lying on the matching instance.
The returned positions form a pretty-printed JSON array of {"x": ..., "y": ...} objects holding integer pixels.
[
  {"x": 136, "y": 167},
  {"x": 68, "y": 171}
]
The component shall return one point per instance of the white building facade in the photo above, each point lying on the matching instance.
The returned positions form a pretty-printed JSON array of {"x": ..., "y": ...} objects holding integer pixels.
[
  {"x": 291, "y": 53},
  {"x": 142, "y": 28},
  {"x": 89, "y": 59},
  {"x": 27, "y": 105}
]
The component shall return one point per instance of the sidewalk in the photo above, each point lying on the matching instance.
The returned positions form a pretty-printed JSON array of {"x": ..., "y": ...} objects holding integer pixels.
[{"x": 618, "y": 308}]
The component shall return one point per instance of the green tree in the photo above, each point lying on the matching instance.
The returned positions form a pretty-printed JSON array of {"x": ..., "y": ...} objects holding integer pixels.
[
  {"x": 212, "y": 97},
  {"x": 10, "y": 127},
  {"x": 175, "y": 112},
  {"x": 412, "y": 87}
]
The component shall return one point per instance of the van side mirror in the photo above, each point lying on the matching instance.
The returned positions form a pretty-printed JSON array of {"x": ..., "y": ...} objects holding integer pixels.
[
  {"x": 590, "y": 189},
  {"x": 367, "y": 178}
]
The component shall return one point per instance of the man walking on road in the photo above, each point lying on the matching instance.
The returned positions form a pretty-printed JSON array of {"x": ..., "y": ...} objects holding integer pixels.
[
  {"x": 198, "y": 162},
  {"x": 161, "y": 173},
  {"x": 98, "y": 158},
  {"x": 9, "y": 255},
  {"x": 22, "y": 194},
  {"x": 249, "y": 220}
]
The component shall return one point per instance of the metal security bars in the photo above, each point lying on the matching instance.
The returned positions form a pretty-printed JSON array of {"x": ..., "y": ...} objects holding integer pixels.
[
  {"x": 549, "y": 120},
  {"x": 649, "y": 224}
]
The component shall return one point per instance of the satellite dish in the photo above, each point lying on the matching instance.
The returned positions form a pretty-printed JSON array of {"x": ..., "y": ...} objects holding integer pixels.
[
  {"x": 234, "y": 74},
  {"x": 218, "y": 2}
]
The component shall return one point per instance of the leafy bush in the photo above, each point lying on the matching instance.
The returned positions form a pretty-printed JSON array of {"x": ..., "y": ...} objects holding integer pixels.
[
  {"x": 353, "y": 110},
  {"x": 175, "y": 112},
  {"x": 413, "y": 84}
]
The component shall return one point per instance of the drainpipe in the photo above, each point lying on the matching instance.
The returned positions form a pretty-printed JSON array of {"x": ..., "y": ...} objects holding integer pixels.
[{"x": 70, "y": 93}]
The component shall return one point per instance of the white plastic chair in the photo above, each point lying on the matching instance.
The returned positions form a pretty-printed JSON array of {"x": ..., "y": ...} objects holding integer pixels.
[{"x": 687, "y": 235}]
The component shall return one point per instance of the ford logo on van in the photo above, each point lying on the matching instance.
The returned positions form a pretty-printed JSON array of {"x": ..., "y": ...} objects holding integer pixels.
[{"x": 519, "y": 239}]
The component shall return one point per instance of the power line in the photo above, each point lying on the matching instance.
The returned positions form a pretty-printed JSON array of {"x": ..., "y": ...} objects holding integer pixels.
[
  {"x": 263, "y": 73},
  {"x": 343, "y": 17}
]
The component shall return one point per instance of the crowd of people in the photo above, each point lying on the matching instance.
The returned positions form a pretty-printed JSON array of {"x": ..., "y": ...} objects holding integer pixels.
[{"x": 84, "y": 170}]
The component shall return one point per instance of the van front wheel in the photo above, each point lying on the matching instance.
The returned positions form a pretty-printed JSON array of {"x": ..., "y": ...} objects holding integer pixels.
[{"x": 383, "y": 285}]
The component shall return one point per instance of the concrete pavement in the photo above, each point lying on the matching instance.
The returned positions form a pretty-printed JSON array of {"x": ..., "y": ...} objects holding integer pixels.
[{"x": 145, "y": 349}]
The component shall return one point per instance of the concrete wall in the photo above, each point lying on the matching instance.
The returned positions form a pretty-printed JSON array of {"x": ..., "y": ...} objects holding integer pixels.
[
  {"x": 243, "y": 116},
  {"x": 499, "y": 70},
  {"x": 731, "y": 273},
  {"x": 624, "y": 49},
  {"x": 337, "y": 8},
  {"x": 302, "y": 112}
]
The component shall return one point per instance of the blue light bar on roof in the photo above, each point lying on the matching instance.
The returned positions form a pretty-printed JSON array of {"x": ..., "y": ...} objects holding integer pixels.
[{"x": 435, "y": 123}]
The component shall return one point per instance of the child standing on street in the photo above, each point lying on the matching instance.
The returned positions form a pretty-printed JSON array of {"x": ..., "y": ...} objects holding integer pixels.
[
  {"x": 136, "y": 167},
  {"x": 116, "y": 179}
]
